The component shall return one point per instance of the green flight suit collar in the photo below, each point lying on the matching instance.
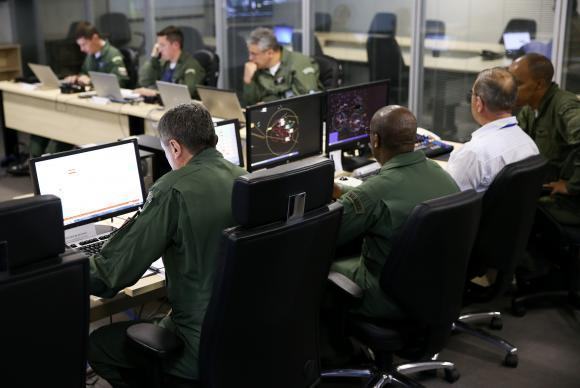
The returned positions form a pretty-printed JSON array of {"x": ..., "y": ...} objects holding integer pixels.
[
  {"x": 547, "y": 98},
  {"x": 403, "y": 160},
  {"x": 208, "y": 153},
  {"x": 104, "y": 51}
]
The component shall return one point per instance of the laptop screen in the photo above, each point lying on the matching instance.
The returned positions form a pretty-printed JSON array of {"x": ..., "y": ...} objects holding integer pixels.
[
  {"x": 515, "y": 40},
  {"x": 229, "y": 142},
  {"x": 93, "y": 183}
]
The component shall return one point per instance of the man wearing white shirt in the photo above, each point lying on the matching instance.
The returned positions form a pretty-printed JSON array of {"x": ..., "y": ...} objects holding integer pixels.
[{"x": 499, "y": 141}]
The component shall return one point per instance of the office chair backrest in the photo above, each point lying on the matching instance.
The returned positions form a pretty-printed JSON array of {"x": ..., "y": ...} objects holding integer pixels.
[
  {"x": 425, "y": 271},
  {"x": 261, "y": 326},
  {"x": 131, "y": 60},
  {"x": 297, "y": 44},
  {"x": 237, "y": 57},
  {"x": 386, "y": 62},
  {"x": 45, "y": 297},
  {"x": 211, "y": 64},
  {"x": 192, "y": 40},
  {"x": 434, "y": 29},
  {"x": 384, "y": 23},
  {"x": 115, "y": 27},
  {"x": 520, "y": 25},
  {"x": 508, "y": 209},
  {"x": 322, "y": 22},
  {"x": 331, "y": 73}
]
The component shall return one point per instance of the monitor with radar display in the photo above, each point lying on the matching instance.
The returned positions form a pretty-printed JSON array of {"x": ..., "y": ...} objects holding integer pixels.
[{"x": 282, "y": 131}]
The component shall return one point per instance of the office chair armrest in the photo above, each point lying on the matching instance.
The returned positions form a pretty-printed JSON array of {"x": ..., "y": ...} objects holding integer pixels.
[
  {"x": 345, "y": 284},
  {"x": 154, "y": 339}
]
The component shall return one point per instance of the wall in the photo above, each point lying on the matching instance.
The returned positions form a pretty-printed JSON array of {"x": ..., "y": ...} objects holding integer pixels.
[{"x": 5, "y": 24}]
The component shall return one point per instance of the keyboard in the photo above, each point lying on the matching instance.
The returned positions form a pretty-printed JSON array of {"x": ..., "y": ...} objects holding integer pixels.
[
  {"x": 432, "y": 147},
  {"x": 91, "y": 246}
]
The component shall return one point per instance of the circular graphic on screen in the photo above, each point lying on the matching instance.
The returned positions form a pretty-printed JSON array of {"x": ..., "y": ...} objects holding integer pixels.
[{"x": 282, "y": 132}]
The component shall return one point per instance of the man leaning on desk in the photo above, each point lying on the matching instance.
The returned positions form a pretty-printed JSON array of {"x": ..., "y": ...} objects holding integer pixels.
[
  {"x": 274, "y": 72},
  {"x": 182, "y": 220},
  {"x": 101, "y": 57},
  {"x": 169, "y": 63}
]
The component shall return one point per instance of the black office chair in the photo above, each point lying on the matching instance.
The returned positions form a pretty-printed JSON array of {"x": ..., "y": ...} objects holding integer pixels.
[
  {"x": 261, "y": 325},
  {"x": 297, "y": 44},
  {"x": 434, "y": 29},
  {"x": 44, "y": 294},
  {"x": 115, "y": 27},
  {"x": 386, "y": 62},
  {"x": 507, "y": 217},
  {"x": 437, "y": 239},
  {"x": 211, "y": 64},
  {"x": 384, "y": 23},
  {"x": 322, "y": 22},
  {"x": 520, "y": 25},
  {"x": 192, "y": 40},
  {"x": 331, "y": 73},
  {"x": 131, "y": 61},
  {"x": 237, "y": 56}
]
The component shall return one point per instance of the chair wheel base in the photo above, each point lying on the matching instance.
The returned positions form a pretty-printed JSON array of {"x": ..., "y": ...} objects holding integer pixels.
[
  {"x": 451, "y": 375},
  {"x": 496, "y": 323},
  {"x": 511, "y": 360}
]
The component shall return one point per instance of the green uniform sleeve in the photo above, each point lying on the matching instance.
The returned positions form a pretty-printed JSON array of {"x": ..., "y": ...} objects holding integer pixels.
[
  {"x": 525, "y": 118},
  {"x": 136, "y": 245},
  {"x": 306, "y": 79},
  {"x": 149, "y": 72},
  {"x": 193, "y": 76},
  {"x": 117, "y": 66},
  {"x": 86, "y": 66},
  {"x": 252, "y": 93},
  {"x": 360, "y": 213},
  {"x": 570, "y": 132}
]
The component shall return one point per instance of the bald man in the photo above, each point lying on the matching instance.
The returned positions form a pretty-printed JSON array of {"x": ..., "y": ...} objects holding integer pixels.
[
  {"x": 551, "y": 116},
  {"x": 499, "y": 141},
  {"x": 375, "y": 210}
]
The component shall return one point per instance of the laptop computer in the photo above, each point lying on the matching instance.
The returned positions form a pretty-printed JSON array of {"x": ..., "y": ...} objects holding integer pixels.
[
  {"x": 173, "y": 94},
  {"x": 45, "y": 75},
  {"x": 107, "y": 85},
  {"x": 221, "y": 103},
  {"x": 229, "y": 142},
  {"x": 93, "y": 183},
  {"x": 514, "y": 41}
]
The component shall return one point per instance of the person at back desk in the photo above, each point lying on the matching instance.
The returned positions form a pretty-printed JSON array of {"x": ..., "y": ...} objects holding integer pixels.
[
  {"x": 551, "y": 116},
  {"x": 500, "y": 141},
  {"x": 273, "y": 72},
  {"x": 170, "y": 63},
  {"x": 377, "y": 208},
  {"x": 182, "y": 221},
  {"x": 101, "y": 57}
]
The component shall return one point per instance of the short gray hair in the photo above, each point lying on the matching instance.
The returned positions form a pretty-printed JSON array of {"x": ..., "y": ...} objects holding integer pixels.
[
  {"x": 189, "y": 124},
  {"x": 497, "y": 88},
  {"x": 264, "y": 38}
]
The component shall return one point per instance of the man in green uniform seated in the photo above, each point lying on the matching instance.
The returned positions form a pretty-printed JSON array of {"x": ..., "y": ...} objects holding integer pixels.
[
  {"x": 378, "y": 208},
  {"x": 551, "y": 116},
  {"x": 101, "y": 57},
  {"x": 170, "y": 63},
  {"x": 182, "y": 220},
  {"x": 273, "y": 72}
]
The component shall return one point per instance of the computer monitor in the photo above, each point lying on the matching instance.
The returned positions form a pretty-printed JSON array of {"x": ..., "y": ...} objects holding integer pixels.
[
  {"x": 283, "y": 34},
  {"x": 250, "y": 8},
  {"x": 92, "y": 183},
  {"x": 282, "y": 131},
  {"x": 229, "y": 142},
  {"x": 515, "y": 40},
  {"x": 349, "y": 111}
]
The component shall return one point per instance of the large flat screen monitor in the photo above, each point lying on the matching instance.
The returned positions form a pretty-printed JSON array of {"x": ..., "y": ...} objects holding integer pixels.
[
  {"x": 92, "y": 183},
  {"x": 349, "y": 111},
  {"x": 282, "y": 131}
]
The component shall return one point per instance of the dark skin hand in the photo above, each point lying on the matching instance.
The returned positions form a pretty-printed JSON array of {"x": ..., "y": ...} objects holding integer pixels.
[
  {"x": 557, "y": 187},
  {"x": 336, "y": 192}
]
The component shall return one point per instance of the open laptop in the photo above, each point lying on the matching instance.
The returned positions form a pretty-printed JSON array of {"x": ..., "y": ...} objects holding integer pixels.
[
  {"x": 45, "y": 75},
  {"x": 173, "y": 94},
  {"x": 93, "y": 183},
  {"x": 514, "y": 41},
  {"x": 229, "y": 142},
  {"x": 221, "y": 103},
  {"x": 107, "y": 85}
]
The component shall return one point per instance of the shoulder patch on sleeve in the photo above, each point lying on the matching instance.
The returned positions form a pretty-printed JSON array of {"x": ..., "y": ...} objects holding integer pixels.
[
  {"x": 149, "y": 200},
  {"x": 308, "y": 70},
  {"x": 117, "y": 59},
  {"x": 190, "y": 71},
  {"x": 357, "y": 204},
  {"x": 123, "y": 71}
]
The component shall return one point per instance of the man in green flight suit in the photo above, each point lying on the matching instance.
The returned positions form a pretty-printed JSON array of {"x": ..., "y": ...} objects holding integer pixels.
[
  {"x": 551, "y": 116},
  {"x": 169, "y": 63},
  {"x": 273, "y": 72},
  {"x": 182, "y": 220},
  {"x": 101, "y": 57},
  {"x": 378, "y": 208}
]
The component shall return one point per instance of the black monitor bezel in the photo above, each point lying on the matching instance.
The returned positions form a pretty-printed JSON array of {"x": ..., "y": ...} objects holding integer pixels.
[
  {"x": 34, "y": 176},
  {"x": 328, "y": 93},
  {"x": 238, "y": 137},
  {"x": 250, "y": 109}
]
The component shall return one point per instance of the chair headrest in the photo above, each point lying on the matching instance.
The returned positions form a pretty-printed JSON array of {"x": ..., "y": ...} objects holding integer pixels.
[
  {"x": 264, "y": 196},
  {"x": 31, "y": 230}
]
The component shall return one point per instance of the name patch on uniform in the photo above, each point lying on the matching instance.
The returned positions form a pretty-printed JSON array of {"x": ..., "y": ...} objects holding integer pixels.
[
  {"x": 117, "y": 59},
  {"x": 190, "y": 71},
  {"x": 357, "y": 204},
  {"x": 308, "y": 70}
]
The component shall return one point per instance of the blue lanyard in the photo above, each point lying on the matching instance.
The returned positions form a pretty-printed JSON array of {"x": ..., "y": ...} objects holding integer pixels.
[{"x": 509, "y": 125}]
